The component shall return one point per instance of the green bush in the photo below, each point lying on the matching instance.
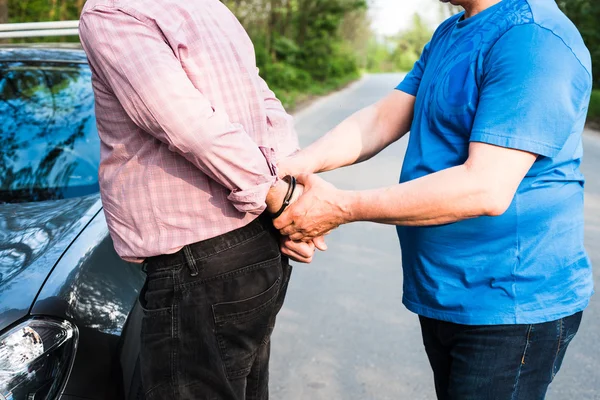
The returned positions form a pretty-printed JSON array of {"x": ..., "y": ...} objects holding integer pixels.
[
  {"x": 405, "y": 61},
  {"x": 594, "y": 110},
  {"x": 284, "y": 76},
  {"x": 286, "y": 49},
  {"x": 324, "y": 60}
]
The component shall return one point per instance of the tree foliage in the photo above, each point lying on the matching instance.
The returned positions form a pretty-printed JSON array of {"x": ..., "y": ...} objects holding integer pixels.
[
  {"x": 3, "y": 11},
  {"x": 400, "y": 52},
  {"x": 301, "y": 45},
  {"x": 585, "y": 14},
  {"x": 43, "y": 10}
]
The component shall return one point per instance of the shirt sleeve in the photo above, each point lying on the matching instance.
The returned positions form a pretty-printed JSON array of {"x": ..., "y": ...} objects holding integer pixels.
[
  {"x": 276, "y": 114},
  {"x": 534, "y": 91},
  {"x": 412, "y": 80},
  {"x": 131, "y": 56}
]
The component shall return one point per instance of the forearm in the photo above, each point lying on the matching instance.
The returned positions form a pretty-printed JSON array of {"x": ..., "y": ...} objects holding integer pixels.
[
  {"x": 359, "y": 137},
  {"x": 346, "y": 144},
  {"x": 444, "y": 197}
]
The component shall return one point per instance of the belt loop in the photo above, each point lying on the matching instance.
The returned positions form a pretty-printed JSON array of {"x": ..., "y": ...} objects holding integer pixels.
[{"x": 191, "y": 261}]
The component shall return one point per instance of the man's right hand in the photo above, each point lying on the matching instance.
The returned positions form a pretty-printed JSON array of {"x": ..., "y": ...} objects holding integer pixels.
[{"x": 302, "y": 252}]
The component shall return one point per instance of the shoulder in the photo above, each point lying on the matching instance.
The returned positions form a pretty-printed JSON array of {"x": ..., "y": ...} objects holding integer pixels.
[
  {"x": 547, "y": 16},
  {"x": 140, "y": 9},
  {"x": 536, "y": 31}
]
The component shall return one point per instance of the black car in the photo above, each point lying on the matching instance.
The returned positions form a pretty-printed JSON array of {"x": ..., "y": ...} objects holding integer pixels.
[{"x": 69, "y": 320}]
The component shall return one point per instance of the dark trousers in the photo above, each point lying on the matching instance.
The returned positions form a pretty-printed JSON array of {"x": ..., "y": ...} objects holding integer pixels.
[
  {"x": 209, "y": 311},
  {"x": 496, "y": 362}
]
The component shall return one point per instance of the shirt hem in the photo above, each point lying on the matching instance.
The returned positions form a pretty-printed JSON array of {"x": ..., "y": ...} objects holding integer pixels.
[{"x": 469, "y": 318}]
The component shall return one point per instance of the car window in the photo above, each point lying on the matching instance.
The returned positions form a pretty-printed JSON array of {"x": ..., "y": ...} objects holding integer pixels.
[{"x": 49, "y": 146}]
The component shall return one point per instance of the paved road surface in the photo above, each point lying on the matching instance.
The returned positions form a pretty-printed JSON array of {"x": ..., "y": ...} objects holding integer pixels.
[{"x": 344, "y": 334}]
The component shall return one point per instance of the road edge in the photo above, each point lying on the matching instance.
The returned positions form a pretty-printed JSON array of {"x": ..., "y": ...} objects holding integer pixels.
[{"x": 299, "y": 113}]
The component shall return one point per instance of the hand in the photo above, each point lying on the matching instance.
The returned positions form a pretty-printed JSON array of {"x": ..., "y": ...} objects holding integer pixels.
[
  {"x": 277, "y": 194},
  {"x": 320, "y": 210},
  {"x": 302, "y": 251},
  {"x": 298, "y": 251}
]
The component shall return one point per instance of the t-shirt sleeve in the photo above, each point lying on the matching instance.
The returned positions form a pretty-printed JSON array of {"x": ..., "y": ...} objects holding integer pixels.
[
  {"x": 534, "y": 91},
  {"x": 411, "y": 82}
]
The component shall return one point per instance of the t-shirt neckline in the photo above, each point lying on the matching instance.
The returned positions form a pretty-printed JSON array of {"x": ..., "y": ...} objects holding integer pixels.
[{"x": 462, "y": 22}]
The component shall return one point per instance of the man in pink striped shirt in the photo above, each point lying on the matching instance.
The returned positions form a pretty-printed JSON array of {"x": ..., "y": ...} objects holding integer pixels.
[{"x": 190, "y": 137}]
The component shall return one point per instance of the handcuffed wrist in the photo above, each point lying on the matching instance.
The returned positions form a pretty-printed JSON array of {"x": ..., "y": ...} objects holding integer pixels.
[{"x": 288, "y": 196}]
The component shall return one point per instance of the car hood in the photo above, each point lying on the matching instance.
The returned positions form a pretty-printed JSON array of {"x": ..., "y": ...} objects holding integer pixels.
[{"x": 33, "y": 237}]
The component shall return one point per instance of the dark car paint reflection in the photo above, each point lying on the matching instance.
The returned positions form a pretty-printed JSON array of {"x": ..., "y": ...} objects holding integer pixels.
[
  {"x": 49, "y": 148},
  {"x": 33, "y": 236},
  {"x": 56, "y": 256},
  {"x": 82, "y": 286}
]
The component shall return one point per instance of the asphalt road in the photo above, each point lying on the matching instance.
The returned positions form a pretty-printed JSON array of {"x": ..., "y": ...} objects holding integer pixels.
[{"x": 344, "y": 333}]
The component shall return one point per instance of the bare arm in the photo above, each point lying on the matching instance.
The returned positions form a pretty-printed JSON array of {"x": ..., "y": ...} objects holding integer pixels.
[
  {"x": 483, "y": 186},
  {"x": 356, "y": 139}
]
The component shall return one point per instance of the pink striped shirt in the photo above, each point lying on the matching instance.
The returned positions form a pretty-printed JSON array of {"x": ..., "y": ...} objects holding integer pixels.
[{"x": 190, "y": 133}]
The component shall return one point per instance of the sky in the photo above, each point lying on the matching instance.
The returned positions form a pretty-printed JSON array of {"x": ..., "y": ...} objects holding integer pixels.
[{"x": 391, "y": 16}]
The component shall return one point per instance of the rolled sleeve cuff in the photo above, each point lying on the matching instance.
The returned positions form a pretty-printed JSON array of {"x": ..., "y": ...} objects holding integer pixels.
[{"x": 253, "y": 199}]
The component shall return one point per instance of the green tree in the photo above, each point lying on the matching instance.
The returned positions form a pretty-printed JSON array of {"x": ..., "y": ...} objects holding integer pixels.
[
  {"x": 585, "y": 14},
  {"x": 44, "y": 10},
  {"x": 301, "y": 45},
  {"x": 3, "y": 11},
  {"x": 413, "y": 40}
]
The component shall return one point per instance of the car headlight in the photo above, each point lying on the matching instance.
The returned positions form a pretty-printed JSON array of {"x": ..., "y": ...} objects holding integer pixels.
[{"x": 36, "y": 359}]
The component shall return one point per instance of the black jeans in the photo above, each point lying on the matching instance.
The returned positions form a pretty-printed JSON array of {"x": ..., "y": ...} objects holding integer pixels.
[
  {"x": 209, "y": 311},
  {"x": 496, "y": 362}
]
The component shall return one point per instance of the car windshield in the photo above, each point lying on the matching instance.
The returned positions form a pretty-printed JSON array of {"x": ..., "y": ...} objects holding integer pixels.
[{"x": 49, "y": 147}]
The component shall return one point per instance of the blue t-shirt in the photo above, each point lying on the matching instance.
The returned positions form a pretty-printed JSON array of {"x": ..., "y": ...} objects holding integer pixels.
[{"x": 516, "y": 75}]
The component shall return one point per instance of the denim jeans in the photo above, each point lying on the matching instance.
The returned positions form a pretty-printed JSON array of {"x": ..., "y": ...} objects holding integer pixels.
[
  {"x": 209, "y": 311},
  {"x": 496, "y": 362}
]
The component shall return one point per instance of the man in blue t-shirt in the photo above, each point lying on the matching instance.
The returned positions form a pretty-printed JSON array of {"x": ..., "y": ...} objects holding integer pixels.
[{"x": 489, "y": 208}]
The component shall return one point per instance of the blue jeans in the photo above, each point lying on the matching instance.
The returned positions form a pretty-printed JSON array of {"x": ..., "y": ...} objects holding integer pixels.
[{"x": 496, "y": 362}]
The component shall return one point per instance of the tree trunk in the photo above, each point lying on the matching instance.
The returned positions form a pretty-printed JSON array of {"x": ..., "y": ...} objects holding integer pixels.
[
  {"x": 80, "y": 5},
  {"x": 288, "y": 19},
  {"x": 272, "y": 21},
  {"x": 3, "y": 11},
  {"x": 53, "y": 10}
]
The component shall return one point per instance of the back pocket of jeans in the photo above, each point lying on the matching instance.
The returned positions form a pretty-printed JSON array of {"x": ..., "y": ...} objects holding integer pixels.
[{"x": 242, "y": 327}]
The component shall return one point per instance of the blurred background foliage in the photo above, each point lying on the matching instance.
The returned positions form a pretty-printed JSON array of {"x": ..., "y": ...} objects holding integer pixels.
[
  {"x": 310, "y": 47},
  {"x": 303, "y": 47},
  {"x": 585, "y": 14}
]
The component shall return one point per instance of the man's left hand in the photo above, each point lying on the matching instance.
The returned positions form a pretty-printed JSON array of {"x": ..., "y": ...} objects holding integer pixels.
[{"x": 320, "y": 210}]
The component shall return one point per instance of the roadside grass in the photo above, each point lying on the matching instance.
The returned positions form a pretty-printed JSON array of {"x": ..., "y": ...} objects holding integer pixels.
[{"x": 292, "y": 99}]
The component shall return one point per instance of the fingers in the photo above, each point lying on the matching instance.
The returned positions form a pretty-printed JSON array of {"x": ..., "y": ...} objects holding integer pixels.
[
  {"x": 298, "y": 251},
  {"x": 300, "y": 237},
  {"x": 304, "y": 179},
  {"x": 284, "y": 220},
  {"x": 295, "y": 256},
  {"x": 319, "y": 243},
  {"x": 288, "y": 230}
]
